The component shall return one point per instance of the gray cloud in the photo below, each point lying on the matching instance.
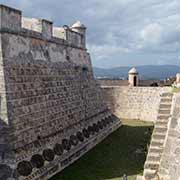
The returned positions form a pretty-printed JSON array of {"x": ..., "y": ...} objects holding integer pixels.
[{"x": 120, "y": 32}]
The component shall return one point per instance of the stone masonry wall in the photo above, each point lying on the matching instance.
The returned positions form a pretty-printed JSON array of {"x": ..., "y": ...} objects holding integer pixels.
[
  {"x": 170, "y": 162},
  {"x": 52, "y": 109},
  {"x": 110, "y": 82},
  {"x": 134, "y": 102}
]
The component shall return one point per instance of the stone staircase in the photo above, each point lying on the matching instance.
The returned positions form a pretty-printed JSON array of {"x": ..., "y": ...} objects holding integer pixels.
[{"x": 158, "y": 138}]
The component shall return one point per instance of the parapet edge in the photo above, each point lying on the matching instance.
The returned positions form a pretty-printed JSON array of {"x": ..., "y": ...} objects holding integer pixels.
[{"x": 12, "y": 21}]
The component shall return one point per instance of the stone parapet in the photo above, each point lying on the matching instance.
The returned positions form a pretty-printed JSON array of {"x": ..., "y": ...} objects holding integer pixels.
[{"x": 13, "y": 22}]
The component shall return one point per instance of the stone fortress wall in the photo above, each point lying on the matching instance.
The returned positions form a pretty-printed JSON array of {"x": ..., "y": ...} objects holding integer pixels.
[
  {"x": 152, "y": 104},
  {"x": 134, "y": 102},
  {"x": 52, "y": 110}
]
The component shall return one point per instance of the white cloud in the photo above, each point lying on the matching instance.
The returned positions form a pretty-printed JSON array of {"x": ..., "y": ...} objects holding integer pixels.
[
  {"x": 152, "y": 33},
  {"x": 116, "y": 27},
  {"x": 105, "y": 52}
]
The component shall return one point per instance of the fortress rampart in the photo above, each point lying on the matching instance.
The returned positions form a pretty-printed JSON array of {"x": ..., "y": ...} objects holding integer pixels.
[
  {"x": 134, "y": 102},
  {"x": 160, "y": 105},
  {"x": 52, "y": 110}
]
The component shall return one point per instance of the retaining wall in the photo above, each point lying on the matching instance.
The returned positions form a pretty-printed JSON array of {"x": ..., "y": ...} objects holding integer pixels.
[{"x": 134, "y": 102}]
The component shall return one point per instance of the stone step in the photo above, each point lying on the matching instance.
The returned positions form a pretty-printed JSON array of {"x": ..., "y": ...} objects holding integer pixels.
[
  {"x": 161, "y": 123},
  {"x": 151, "y": 165},
  {"x": 159, "y": 136},
  {"x": 165, "y": 106},
  {"x": 160, "y": 133},
  {"x": 156, "y": 143},
  {"x": 154, "y": 154},
  {"x": 167, "y": 94},
  {"x": 157, "y": 150},
  {"x": 166, "y": 100},
  {"x": 153, "y": 158},
  {"x": 149, "y": 174},
  {"x": 162, "y": 126},
  {"x": 160, "y": 130},
  {"x": 164, "y": 117},
  {"x": 164, "y": 111},
  {"x": 150, "y": 171}
]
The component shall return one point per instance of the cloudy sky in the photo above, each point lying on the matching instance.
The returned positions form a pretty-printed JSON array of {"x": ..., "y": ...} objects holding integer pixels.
[{"x": 120, "y": 32}]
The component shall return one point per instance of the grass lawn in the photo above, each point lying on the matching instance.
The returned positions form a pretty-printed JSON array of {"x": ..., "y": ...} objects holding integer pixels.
[{"x": 114, "y": 156}]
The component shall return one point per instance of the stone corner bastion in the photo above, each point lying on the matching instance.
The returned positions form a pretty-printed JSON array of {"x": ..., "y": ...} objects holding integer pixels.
[{"x": 52, "y": 110}]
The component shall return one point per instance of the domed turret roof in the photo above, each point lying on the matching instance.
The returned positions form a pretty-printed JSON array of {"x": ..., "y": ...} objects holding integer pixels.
[
  {"x": 133, "y": 71},
  {"x": 78, "y": 24}
]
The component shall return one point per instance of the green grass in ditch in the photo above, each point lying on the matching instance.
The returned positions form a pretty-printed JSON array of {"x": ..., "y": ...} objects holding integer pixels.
[{"x": 113, "y": 157}]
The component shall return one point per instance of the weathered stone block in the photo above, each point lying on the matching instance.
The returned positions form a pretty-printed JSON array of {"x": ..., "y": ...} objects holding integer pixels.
[{"x": 10, "y": 18}]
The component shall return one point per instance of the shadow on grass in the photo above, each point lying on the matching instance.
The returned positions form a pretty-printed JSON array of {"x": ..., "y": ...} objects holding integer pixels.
[{"x": 113, "y": 157}]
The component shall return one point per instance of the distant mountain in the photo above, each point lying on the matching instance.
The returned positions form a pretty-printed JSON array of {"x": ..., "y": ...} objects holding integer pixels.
[{"x": 145, "y": 72}]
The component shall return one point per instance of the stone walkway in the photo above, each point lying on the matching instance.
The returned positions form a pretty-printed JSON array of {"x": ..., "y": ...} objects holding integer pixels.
[{"x": 158, "y": 137}]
